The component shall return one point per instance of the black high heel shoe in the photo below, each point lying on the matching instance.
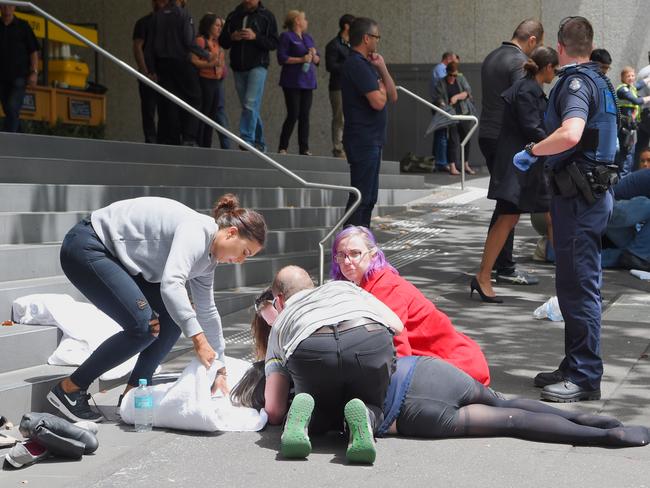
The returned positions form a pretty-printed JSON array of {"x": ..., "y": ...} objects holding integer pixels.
[{"x": 475, "y": 286}]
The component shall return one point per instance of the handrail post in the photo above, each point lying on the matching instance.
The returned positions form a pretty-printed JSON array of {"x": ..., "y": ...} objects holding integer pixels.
[
  {"x": 471, "y": 118},
  {"x": 203, "y": 118}
]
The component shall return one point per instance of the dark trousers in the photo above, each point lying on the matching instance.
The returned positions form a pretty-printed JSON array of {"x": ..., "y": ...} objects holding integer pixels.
[
  {"x": 128, "y": 300},
  {"x": 457, "y": 133},
  {"x": 364, "y": 162},
  {"x": 148, "y": 107},
  {"x": 176, "y": 125},
  {"x": 505, "y": 263},
  {"x": 577, "y": 232},
  {"x": 213, "y": 105},
  {"x": 335, "y": 368},
  {"x": 298, "y": 104},
  {"x": 11, "y": 97}
]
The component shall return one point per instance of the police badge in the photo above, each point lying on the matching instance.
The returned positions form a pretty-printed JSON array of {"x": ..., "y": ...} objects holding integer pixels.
[{"x": 574, "y": 85}]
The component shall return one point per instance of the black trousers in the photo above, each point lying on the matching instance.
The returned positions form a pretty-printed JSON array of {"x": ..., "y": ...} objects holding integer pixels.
[
  {"x": 298, "y": 107},
  {"x": 457, "y": 133},
  {"x": 148, "y": 107},
  {"x": 505, "y": 263},
  {"x": 177, "y": 125},
  {"x": 335, "y": 368}
]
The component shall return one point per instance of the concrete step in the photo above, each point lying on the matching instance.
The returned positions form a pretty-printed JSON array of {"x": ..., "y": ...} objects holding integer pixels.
[
  {"x": 21, "y": 197},
  {"x": 25, "y": 390},
  {"x": 46, "y": 227},
  {"x": 62, "y": 171},
  {"x": 226, "y": 277},
  {"x": 24, "y": 346},
  {"x": 27, "y": 261},
  {"x": 227, "y": 300},
  {"x": 36, "y": 146}
]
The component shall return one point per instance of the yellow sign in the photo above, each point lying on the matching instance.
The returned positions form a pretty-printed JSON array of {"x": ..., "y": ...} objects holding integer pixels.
[{"x": 55, "y": 33}]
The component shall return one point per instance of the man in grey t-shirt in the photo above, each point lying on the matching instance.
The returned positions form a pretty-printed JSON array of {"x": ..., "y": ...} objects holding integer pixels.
[
  {"x": 500, "y": 69},
  {"x": 335, "y": 343}
]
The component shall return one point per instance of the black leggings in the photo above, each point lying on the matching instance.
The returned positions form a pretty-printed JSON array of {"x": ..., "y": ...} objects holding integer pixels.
[
  {"x": 298, "y": 107},
  {"x": 442, "y": 401}
]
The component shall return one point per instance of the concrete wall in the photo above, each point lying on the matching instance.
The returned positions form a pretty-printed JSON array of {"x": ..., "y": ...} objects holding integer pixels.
[{"x": 413, "y": 31}]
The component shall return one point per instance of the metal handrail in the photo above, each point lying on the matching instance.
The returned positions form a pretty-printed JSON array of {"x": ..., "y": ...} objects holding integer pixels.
[
  {"x": 170, "y": 96},
  {"x": 452, "y": 117}
]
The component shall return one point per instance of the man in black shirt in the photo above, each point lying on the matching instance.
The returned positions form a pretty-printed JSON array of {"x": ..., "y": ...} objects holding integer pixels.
[
  {"x": 336, "y": 52},
  {"x": 148, "y": 96},
  {"x": 18, "y": 64},
  {"x": 172, "y": 39},
  {"x": 500, "y": 69}
]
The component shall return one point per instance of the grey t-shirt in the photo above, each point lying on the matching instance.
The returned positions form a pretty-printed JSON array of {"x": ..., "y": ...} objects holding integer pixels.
[
  {"x": 309, "y": 310},
  {"x": 167, "y": 243},
  {"x": 500, "y": 69}
]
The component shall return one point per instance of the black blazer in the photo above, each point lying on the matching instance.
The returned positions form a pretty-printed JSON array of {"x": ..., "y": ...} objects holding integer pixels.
[{"x": 523, "y": 122}]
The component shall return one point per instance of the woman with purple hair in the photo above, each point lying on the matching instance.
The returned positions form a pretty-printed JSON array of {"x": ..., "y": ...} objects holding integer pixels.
[{"x": 427, "y": 331}]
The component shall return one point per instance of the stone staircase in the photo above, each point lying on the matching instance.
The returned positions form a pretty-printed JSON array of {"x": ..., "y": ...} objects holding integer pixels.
[{"x": 47, "y": 184}]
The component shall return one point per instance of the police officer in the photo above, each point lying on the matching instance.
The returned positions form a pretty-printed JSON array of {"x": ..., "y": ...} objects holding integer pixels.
[{"x": 582, "y": 121}]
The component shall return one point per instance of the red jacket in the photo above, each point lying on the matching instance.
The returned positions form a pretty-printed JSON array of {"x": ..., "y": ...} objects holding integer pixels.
[{"x": 427, "y": 331}]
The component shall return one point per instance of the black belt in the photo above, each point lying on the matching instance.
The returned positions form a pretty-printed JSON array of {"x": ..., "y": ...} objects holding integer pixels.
[{"x": 344, "y": 325}]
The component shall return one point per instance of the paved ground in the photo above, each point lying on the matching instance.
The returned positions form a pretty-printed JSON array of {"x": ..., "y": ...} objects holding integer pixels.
[{"x": 448, "y": 242}]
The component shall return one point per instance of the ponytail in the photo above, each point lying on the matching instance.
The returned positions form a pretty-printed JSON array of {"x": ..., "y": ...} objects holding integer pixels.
[
  {"x": 541, "y": 57},
  {"x": 249, "y": 223}
]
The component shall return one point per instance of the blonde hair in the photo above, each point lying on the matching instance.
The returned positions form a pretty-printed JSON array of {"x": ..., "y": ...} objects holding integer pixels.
[
  {"x": 290, "y": 19},
  {"x": 626, "y": 69}
]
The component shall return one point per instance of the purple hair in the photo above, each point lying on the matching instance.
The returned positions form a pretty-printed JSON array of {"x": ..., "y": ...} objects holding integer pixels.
[{"x": 378, "y": 263}]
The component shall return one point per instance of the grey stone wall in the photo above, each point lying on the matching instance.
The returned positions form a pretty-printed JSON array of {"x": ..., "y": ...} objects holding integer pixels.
[{"x": 413, "y": 31}]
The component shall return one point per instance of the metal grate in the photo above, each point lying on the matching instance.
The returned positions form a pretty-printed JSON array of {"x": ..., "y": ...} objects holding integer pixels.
[{"x": 401, "y": 259}]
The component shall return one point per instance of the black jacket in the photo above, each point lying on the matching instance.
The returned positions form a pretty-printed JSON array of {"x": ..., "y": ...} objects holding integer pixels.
[
  {"x": 336, "y": 52},
  {"x": 171, "y": 35},
  {"x": 523, "y": 122},
  {"x": 246, "y": 55}
]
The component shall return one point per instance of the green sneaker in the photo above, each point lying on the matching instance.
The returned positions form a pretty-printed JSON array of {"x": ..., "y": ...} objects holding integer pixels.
[
  {"x": 361, "y": 446},
  {"x": 295, "y": 442}
]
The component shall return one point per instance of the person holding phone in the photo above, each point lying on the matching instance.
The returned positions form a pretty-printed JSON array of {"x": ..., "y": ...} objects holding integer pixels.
[{"x": 366, "y": 88}]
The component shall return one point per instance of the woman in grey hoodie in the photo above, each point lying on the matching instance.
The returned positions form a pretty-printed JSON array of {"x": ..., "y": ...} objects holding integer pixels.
[{"x": 132, "y": 260}]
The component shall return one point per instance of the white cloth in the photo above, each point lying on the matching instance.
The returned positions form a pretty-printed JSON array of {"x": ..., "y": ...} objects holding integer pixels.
[
  {"x": 187, "y": 403},
  {"x": 84, "y": 328}
]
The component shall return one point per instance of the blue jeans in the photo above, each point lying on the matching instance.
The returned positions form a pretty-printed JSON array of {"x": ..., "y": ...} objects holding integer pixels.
[
  {"x": 622, "y": 227},
  {"x": 250, "y": 89},
  {"x": 129, "y": 300},
  {"x": 440, "y": 148},
  {"x": 213, "y": 106},
  {"x": 364, "y": 164},
  {"x": 11, "y": 97}
]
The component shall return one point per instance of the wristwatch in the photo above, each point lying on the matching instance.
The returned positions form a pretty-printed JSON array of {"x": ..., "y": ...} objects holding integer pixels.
[{"x": 529, "y": 148}]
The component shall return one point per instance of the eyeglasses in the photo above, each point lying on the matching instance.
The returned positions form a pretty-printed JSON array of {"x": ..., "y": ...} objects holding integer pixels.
[
  {"x": 261, "y": 305},
  {"x": 354, "y": 256},
  {"x": 452, "y": 75},
  {"x": 376, "y": 36}
]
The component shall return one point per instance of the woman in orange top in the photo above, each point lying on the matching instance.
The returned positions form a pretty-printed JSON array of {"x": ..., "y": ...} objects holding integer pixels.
[{"x": 211, "y": 76}]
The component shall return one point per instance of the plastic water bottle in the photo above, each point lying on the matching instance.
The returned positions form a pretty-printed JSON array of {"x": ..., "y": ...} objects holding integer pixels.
[
  {"x": 306, "y": 67},
  {"x": 143, "y": 407}
]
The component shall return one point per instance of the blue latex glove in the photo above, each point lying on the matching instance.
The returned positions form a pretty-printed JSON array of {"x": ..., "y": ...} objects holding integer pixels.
[{"x": 523, "y": 160}]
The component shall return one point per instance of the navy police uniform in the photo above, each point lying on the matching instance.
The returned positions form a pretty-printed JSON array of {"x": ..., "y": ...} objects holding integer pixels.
[{"x": 580, "y": 215}]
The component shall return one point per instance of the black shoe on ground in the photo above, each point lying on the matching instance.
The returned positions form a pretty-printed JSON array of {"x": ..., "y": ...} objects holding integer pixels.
[
  {"x": 567, "y": 392},
  {"x": 545, "y": 379},
  {"x": 628, "y": 260},
  {"x": 74, "y": 406},
  {"x": 517, "y": 277}
]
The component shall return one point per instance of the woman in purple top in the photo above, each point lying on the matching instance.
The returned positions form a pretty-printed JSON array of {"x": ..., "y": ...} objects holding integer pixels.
[{"x": 298, "y": 57}]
